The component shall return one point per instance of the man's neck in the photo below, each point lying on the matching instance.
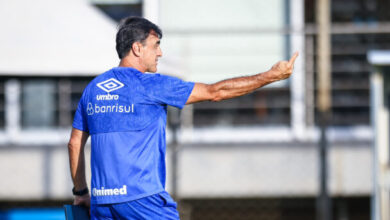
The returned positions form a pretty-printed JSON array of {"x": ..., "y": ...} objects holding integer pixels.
[{"x": 131, "y": 63}]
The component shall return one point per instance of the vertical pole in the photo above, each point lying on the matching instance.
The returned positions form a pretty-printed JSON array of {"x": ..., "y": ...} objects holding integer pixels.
[
  {"x": 297, "y": 22},
  {"x": 309, "y": 81},
  {"x": 380, "y": 122},
  {"x": 384, "y": 148},
  {"x": 150, "y": 10},
  {"x": 64, "y": 105},
  {"x": 324, "y": 211},
  {"x": 174, "y": 119},
  {"x": 376, "y": 95},
  {"x": 12, "y": 109},
  {"x": 323, "y": 55},
  {"x": 46, "y": 169},
  {"x": 324, "y": 206}
]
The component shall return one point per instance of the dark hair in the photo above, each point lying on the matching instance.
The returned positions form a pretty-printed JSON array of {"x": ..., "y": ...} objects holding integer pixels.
[{"x": 133, "y": 29}]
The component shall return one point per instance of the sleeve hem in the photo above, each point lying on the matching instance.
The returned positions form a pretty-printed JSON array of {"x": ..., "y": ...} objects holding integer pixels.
[
  {"x": 188, "y": 96},
  {"x": 80, "y": 128}
]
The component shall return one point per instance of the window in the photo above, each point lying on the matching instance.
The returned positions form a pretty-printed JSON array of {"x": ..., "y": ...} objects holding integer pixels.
[
  {"x": 266, "y": 106},
  {"x": 357, "y": 11},
  {"x": 39, "y": 103},
  {"x": 350, "y": 68},
  {"x": 208, "y": 47},
  {"x": 119, "y": 9},
  {"x": 50, "y": 102},
  {"x": 77, "y": 87}
]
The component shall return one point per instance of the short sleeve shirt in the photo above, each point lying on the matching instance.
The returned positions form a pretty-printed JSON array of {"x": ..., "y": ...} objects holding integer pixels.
[{"x": 124, "y": 111}]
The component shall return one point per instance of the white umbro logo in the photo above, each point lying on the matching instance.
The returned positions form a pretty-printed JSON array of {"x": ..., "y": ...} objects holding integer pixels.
[{"x": 110, "y": 85}]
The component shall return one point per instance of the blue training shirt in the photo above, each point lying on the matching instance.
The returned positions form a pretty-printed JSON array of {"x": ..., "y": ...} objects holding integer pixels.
[{"x": 125, "y": 111}]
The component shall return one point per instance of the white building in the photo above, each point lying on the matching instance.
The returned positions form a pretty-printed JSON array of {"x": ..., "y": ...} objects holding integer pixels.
[{"x": 259, "y": 146}]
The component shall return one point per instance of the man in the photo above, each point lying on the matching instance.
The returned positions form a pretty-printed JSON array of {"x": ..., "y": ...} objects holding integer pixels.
[{"x": 124, "y": 111}]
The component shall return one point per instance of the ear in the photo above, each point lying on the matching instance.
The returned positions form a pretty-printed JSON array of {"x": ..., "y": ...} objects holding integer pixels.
[{"x": 137, "y": 48}]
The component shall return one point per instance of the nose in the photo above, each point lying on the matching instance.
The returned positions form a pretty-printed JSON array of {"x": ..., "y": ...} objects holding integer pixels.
[{"x": 159, "y": 52}]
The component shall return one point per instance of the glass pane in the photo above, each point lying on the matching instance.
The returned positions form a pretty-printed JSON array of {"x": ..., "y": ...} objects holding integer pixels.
[
  {"x": 117, "y": 11},
  {"x": 350, "y": 77},
  {"x": 360, "y": 11},
  {"x": 356, "y": 11},
  {"x": 263, "y": 107},
  {"x": 236, "y": 41},
  {"x": 39, "y": 103},
  {"x": 78, "y": 86}
]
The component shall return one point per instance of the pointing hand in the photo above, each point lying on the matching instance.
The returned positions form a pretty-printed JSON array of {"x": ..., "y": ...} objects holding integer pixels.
[{"x": 283, "y": 69}]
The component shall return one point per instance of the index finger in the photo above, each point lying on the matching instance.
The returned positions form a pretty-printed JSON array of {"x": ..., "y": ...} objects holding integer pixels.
[{"x": 293, "y": 58}]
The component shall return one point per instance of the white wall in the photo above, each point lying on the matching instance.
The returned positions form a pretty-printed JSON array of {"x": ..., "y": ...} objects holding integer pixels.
[{"x": 250, "y": 170}]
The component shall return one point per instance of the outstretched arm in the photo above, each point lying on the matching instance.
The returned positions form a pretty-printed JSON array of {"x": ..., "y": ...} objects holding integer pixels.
[
  {"x": 239, "y": 86},
  {"x": 77, "y": 164}
]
